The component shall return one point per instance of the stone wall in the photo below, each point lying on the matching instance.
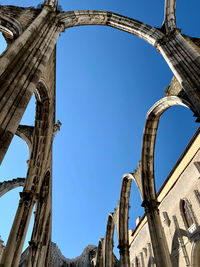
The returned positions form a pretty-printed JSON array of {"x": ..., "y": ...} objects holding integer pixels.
[{"x": 182, "y": 239}]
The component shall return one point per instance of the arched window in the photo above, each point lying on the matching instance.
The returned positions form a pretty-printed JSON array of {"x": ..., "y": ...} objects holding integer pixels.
[{"x": 187, "y": 213}]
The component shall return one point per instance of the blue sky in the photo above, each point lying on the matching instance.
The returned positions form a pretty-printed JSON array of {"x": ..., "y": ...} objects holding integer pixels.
[{"x": 106, "y": 82}]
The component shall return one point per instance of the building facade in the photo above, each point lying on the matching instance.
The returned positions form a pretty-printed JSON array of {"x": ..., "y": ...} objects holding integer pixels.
[{"x": 179, "y": 209}]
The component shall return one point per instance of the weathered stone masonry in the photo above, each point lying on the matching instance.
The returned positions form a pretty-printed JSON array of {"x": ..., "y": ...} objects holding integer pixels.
[{"x": 27, "y": 67}]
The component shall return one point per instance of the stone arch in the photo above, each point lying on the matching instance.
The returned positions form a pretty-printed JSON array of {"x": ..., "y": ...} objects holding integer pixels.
[
  {"x": 25, "y": 133},
  {"x": 41, "y": 91},
  {"x": 148, "y": 143},
  {"x": 91, "y": 17},
  {"x": 10, "y": 27},
  {"x": 99, "y": 254},
  {"x": 10, "y": 185},
  {"x": 108, "y": 243},
  {"x": 195, "y": 254},
  {"x": 123, "y": 236},
  {"x": 158, "y": 240},
  {"x": 167, "y": 40}
]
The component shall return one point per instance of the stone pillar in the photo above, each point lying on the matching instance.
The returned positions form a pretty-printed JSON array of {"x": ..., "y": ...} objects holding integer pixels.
[
  {"x": 183, "y": 57},
  {"x": 14, "y": 246},
  {"x": 20, "y": 69},
  {"x": 41, "y": 235},
  {"x": 1, "y": 247},
  {"x": 159, "y": 243},
  {"x": 108, "y": 243},
  {"x": 124, "y": 255},
  {"x": 99, "y": 256}
]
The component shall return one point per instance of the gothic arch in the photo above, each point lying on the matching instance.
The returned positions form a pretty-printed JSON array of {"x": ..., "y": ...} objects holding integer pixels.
[
  {"x": 91, "y": 17},
  {"x": 108, "y": 243},
  {"x": 150, "y": 203},
  {"x": 25, "y": 133},
  {"x": 195, "y": 254},
  {"x": 148, "y": 143},
  {"x": 123, "y": 236},
  {"x": 167, "y": 40},
  {"x": 10, "y": 185},
  {"x": 187, "y": 213},
  {"x": 41, "y": 91},
  {"x": 99, "y": 255},
  {"x": 10, "y": 27}
]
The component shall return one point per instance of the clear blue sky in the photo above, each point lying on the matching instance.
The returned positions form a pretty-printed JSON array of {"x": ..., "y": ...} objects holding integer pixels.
[{"x": 106, "y": 82}]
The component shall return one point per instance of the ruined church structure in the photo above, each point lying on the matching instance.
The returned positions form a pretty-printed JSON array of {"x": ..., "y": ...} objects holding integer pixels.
[{"x": 169, "y": 232}]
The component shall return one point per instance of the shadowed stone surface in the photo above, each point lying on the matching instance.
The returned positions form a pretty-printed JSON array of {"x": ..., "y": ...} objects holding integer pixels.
[{"x": 58, "y": 260}]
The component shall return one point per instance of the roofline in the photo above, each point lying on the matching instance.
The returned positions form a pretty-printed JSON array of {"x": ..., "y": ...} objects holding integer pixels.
[{"x": 142, "y": 222}]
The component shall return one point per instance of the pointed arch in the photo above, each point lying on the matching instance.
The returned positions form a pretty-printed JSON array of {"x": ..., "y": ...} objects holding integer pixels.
[
  {"x": 150, "y": 203},
  {"x": 11, "y": 184},
  {"x": 99, "y": 254},
  {"x": 148, "y": 143},
  {"x": 108, "y": 243},
  {"x": 25, "y": 132},
  {"x": 187, "y": 214},
  {"x": 10, "y": 27},
  {"x": 93, "y": 17},
  {"x": 123, "y": 242}
]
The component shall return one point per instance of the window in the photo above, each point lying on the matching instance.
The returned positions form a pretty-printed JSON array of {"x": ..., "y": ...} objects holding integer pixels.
[{"x": 187, "y": 214}]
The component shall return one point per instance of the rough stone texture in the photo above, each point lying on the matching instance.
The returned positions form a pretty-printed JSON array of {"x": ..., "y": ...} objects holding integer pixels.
[
  {"x": 27, "y": 67},
  {"x": 175, "y": 89},
  {"x": 9, "y": 185},
  {"x": 181, "y": 241},
  {"x": 58, "y": 260},
  {"x": 23, "y": 15}
]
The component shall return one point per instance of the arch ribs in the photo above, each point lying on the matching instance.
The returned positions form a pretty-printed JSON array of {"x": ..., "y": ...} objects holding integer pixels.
[
  {"x": 26, "y": 133},
  {"x": 148, "y": 143},
  {"x": 159, "y": 243},
  {"x": 93, "y": 17},
  {"x": 11, "y": 184},
  {"x": 108, "y": 243},
  {"x": 123, "y": 221}
]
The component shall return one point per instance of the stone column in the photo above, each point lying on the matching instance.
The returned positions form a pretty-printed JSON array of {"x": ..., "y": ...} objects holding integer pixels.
[
  {"x": 12, "y": 253},
  {"x": 159, "y": 243},
  {"x": 183, "y": 57},
  {"x": 124, "y": 255},
  {"x": 20, "y": 69},
  {"x": 99, "y": 256},
  {"x": 108, "y": 243},
  {"x": 1, "y": 247},
  {"x": 41, "y": 235}
]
